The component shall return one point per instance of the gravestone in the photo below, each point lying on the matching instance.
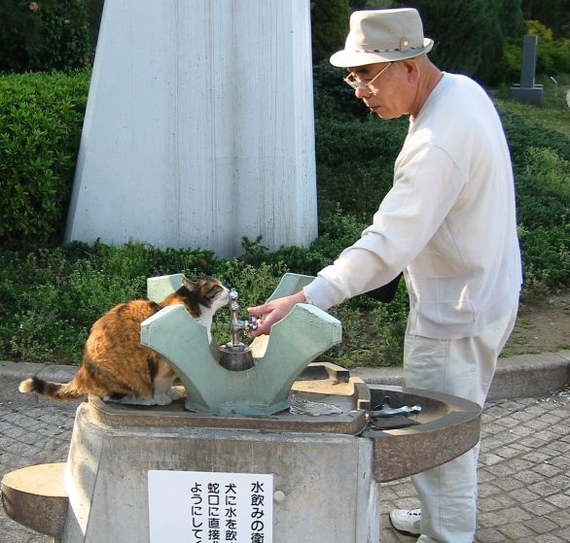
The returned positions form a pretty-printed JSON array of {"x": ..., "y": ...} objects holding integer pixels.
[
  {"x": 199, "y": 127},
  {"x": 528, "y": 91}
]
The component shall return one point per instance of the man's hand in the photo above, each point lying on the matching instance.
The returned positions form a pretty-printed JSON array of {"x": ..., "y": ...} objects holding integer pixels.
[{"x": 274, "y": 311}]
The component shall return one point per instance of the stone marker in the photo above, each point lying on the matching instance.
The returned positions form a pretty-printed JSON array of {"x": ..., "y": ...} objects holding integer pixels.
[{"x": 528, "y": 91}]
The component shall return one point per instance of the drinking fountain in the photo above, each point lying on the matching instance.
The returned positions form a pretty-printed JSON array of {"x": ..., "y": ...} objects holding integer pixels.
[{"x": 266, "y": 444}]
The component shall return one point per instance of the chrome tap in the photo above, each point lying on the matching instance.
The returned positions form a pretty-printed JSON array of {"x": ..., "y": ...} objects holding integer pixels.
[
  {"x": 239, "y": 325},
  {"x": 235, "y": 355}
]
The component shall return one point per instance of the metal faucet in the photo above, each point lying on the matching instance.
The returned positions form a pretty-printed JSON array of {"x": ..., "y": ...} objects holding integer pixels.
[
  {"x": 236, "y": 356},
  {"x": 239, "y": 325}
]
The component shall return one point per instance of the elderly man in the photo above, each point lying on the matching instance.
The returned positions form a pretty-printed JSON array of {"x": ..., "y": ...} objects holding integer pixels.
[{"x": 449, "y": 224}]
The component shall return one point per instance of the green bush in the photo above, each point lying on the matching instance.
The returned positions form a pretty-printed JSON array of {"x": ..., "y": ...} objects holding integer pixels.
[
  {"x": 358, "y": 186},
  {"x": 40, "y": 126},
  {"x": 553, "y": 57},
  {"x": 44, "y": 35},
  {"x": 508, "y": 67},
  {"x": 333, "y": 97},
  {"x": 544, "y": 218}
]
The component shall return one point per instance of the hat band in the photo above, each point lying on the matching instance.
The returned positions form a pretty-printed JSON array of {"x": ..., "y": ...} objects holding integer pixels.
[{"x": 386, "y": 50}]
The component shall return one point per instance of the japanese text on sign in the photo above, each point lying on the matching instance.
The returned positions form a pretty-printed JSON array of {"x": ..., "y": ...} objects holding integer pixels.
[{"x": 205, "y": 507}]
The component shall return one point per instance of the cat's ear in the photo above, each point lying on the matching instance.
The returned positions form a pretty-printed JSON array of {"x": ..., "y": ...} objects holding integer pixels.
[{"x": 190, "y": 286}]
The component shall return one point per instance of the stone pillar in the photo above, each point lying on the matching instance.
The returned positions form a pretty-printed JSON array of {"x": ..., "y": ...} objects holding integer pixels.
[{"x": 199, "y": 127}]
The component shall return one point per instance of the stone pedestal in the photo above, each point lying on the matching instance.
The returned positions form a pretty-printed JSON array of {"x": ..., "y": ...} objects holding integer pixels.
[
  {"x": 199, "y": 127},
  {"x": 322, "y": 483}
]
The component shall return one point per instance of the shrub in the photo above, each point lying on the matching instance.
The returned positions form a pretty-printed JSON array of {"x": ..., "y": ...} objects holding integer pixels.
[
  {"x": 357, "y": 185},
  {"x": 544, "y": 218},
  {"x": 522, "y": 134},
  {"x": 44, "y": 35},
  {"x": 508, "y": 67},
  {"x": 333, "y": 97},
  {"x": 553, "y": 57},
  {"x": 40, "y": 125}
]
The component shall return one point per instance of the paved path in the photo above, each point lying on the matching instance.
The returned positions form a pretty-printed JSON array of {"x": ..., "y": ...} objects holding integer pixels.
[
  {"x": 524, "y": 474},
  {"x": 524, "y": 466}
]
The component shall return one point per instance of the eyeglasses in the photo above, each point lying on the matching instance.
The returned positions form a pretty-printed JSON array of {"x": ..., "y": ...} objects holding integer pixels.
[{"x": 356, "y": 83}]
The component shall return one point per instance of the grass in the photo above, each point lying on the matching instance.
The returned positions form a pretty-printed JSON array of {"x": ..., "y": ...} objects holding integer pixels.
[{"x": 554, "y": 114}]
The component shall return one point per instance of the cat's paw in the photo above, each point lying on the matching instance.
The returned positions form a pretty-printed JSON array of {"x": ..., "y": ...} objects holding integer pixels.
[
  {"x": 162, "y": 399},
  {"x": 173, "y": 394}
]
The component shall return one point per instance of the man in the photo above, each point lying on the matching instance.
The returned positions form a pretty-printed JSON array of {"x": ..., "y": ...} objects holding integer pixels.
[{"x": 449, "y": 223}]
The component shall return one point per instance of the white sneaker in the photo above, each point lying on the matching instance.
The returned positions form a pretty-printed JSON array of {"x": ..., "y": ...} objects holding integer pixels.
[{"x": 406, "y": 521}]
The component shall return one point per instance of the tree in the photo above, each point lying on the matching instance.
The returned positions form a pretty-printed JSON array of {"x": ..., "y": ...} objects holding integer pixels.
[
  {"x": 511, "y": 19},
  {"x": 545, "y": 11},
  {"x": 329, "y": 22},
  {"x": 462, "y": 32},
  {"x": 565, "y": 19}
]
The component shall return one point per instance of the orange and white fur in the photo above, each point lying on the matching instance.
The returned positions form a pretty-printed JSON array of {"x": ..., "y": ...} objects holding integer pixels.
[{"x": 116, "y": 366}]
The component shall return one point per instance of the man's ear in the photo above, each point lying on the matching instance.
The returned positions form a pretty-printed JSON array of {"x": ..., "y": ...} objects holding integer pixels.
[{"x": 412, "y": 68}]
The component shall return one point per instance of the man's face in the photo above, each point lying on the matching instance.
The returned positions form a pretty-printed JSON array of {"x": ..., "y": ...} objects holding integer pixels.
[{"x": 388, "y": 91}]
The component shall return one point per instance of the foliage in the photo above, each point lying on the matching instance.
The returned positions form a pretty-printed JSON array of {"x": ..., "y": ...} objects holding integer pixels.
[
  {"x": 543, "y": 193},
  {"x": 468, "y": 35},
  {"x": 44, "y": 35},
  {"x": 536, "y": 28},
  {"x": 553, "y": 57},
  {"x": 329, "y": 22},
  {"x": 551, "y": 13},
  {"x": 508, "y": 67},
  {"x": 523, "y": 133},
  {"x": 551, "y": 121},
  {"x": 511, "y": 19},
  {"x": 333, "y": 97},
  {"x": 50, "y": 297},
  {"x": 94, "y": 12},
  {"x": 369, "y": 177},
  {"x": 40, "y": 125}
]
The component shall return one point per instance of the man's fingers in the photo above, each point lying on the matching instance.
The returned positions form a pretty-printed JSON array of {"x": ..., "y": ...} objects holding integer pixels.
[{"x": 258, "y": 310}]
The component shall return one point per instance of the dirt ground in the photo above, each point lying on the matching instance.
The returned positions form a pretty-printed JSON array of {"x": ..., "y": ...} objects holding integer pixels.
[{"x": 543, "y": 325}]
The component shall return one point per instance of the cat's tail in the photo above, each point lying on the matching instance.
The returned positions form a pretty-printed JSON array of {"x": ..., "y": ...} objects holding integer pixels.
[{"x": 58, "y": 391}]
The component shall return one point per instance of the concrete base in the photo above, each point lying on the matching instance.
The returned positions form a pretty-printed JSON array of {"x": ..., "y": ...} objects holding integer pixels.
[
  {"x": 323, "y": 486},
  {"x": 528, "y": 95},
  {"x": 34, "y": 496}
]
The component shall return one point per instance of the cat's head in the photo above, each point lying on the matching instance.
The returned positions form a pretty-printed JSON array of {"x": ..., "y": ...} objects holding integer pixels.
[{"x": 204, "y": 295}]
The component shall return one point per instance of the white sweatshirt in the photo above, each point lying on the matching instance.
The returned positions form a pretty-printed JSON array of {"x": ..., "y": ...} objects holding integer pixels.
[{"x": 449, "y": 221}]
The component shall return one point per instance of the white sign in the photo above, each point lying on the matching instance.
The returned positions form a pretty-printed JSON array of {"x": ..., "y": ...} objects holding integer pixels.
[{"x": 210, "y": 507}]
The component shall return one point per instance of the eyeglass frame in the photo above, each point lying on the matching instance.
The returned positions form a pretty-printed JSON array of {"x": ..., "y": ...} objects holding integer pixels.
[{"x": 354, "y": 84}]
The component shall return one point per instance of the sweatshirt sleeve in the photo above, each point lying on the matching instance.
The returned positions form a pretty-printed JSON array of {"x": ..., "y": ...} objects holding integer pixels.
[{"x": 427, "y": 183}]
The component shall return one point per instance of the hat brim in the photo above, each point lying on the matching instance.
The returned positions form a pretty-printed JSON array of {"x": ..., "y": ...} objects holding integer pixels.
[{"x": 351, "y": 59}]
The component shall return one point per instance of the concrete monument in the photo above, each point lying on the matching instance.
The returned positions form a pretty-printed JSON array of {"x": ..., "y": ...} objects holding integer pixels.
[{"x": 199, "y": 127}]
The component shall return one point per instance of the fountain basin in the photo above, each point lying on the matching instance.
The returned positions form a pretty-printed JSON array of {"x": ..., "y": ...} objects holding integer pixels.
[{"x": 447, "y": 427}]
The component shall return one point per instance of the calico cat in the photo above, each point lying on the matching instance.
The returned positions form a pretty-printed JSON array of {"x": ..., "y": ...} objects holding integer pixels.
[{"x": 115, "y": 364}]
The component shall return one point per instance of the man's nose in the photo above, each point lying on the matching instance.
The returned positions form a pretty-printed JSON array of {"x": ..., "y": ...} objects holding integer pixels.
[{"x": 362, "y": 92}]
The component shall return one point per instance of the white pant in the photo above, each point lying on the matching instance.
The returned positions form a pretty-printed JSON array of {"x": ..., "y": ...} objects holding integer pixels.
[{"x": 462, "y": 367}]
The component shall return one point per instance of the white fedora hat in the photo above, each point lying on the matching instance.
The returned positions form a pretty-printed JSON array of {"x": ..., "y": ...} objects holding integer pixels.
[{"x": 382, "y": 35}]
